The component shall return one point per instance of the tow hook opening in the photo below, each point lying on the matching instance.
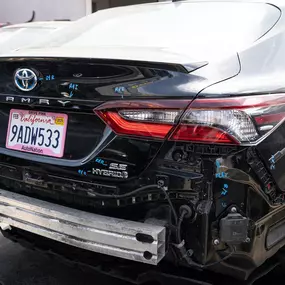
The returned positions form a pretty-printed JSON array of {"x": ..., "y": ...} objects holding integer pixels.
[
  {"x": 145, "y": 238},
  {"x": 147, "y": 255}
]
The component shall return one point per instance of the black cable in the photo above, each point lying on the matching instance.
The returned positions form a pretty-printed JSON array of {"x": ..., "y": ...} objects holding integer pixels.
[
  {"x": 171, "y": 206},
  {"x": 113, "y": 196},
  {"x": 233, "y": 250},
  {"x": 178, "y": 231},
  {"x": 193, "y": 263},
  {"x": 178, "y": 222},
  {"x": 184, "y": 253}
]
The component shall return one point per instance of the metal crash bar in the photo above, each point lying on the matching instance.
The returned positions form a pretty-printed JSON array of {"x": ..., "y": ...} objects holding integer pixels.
[{"x": 116, "y": 237}]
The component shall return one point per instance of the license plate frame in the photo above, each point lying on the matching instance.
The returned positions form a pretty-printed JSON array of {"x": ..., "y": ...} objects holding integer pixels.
[{"x": 47, "y": 129}]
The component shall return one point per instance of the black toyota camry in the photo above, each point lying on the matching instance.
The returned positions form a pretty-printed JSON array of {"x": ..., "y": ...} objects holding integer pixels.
[{"x": 153, "y": 133}]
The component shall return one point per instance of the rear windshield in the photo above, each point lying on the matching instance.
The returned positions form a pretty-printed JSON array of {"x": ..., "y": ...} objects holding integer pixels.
[{"x": 196, "y": 27}]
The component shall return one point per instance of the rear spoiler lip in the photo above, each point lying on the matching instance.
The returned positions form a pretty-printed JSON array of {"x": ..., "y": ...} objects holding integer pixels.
[
  {"x": 177, "y": 67},
  {"x": 195, "y": 65}
]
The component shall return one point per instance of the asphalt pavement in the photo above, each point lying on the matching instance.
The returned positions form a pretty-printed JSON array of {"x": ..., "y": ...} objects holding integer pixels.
[{"x": 19, "y": 266}]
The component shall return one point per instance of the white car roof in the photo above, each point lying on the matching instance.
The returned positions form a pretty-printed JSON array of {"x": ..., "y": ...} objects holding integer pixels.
[
  {"x": 174, "y": 32},
  {"x": 40, "y": 24},
  {"x": 17, "y": 36}
]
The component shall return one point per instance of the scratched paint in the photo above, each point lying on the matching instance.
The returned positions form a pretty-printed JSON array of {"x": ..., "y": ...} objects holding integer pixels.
[
  {"x": 218, "y": 164},
  {"x": 224, "y": 191},
  {"x": 49, "y": 77},
  {"x": 221, "y": 174},
  {"x": 101, "y": 161},
  {"x": 272, "y": 162},
  {"x": 120, "y": 89},
  {"x": 82, "y": 172},
  {"x": 73, "y": 86}
]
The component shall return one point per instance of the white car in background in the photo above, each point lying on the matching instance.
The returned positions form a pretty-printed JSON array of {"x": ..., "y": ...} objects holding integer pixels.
[{"x": 17, "y": 36}]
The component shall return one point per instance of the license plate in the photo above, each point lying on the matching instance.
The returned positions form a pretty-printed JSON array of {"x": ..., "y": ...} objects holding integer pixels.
[{"x": 37, "y": 132}]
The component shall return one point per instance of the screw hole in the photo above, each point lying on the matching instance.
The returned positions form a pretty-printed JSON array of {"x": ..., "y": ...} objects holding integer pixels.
[{"x": 147, "y": 255}]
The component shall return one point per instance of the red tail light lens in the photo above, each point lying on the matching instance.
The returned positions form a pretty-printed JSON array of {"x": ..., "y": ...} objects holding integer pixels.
[
  {"x": 233, "y": 120},
  {"x": 153, "y": 124},
  {"x": 202, "y": 134}
]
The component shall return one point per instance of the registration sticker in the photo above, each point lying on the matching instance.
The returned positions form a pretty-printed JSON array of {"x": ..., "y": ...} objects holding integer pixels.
[{"x": 37, "y": 132}]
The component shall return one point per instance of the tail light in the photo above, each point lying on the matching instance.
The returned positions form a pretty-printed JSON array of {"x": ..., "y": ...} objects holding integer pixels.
[
  {"x": 155, "y": 124},
  {"x": 146, "y": 118},
  {"x": 236, "y": 120}
]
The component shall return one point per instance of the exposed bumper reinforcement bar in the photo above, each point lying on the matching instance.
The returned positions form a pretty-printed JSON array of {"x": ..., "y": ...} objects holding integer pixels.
[{"x": 116, "y": 237}]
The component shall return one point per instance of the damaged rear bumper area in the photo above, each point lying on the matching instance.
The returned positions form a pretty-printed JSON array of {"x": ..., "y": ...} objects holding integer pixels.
[{"x": 116, "y": 237}]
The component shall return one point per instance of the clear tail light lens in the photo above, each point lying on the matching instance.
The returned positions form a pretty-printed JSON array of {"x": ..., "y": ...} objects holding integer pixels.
[
  {"x": 151, "y": 116},
  {"x": 236, "y": 120},
  {"x": 233, "y": 122}
]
